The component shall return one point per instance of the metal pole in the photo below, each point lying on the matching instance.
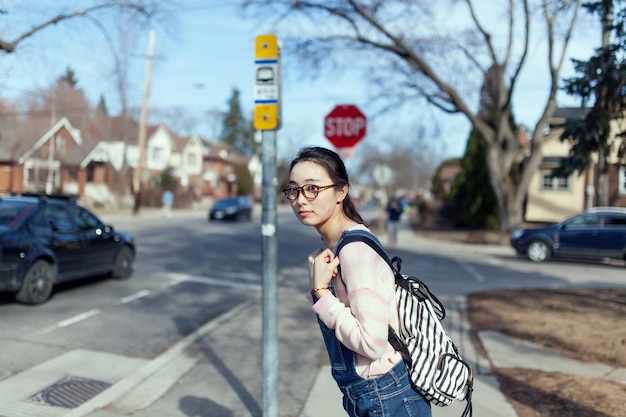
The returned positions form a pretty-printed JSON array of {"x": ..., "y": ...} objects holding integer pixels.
[{"x": 270, "y": 273}]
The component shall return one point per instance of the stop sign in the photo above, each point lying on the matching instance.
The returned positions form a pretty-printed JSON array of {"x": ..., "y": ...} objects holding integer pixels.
[{"x": 345, "y": 126}]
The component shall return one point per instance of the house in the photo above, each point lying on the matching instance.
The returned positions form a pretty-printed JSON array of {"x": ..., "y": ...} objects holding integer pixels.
[
  {"x": 552, "y": 199},
  {"x": 219, "y": 170},
  {"x": 99, "y": 163},
  {"x": 35, "y": 156}
]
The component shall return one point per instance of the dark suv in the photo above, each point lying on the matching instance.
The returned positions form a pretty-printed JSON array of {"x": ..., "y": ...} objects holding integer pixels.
[
  {"x": 48, "y": 239},
  {"x": 599, "y": 232}
]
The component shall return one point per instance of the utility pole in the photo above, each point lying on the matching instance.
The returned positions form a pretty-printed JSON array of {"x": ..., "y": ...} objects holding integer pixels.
[
  {"x": 51, "y": 147},
  {"x": 138, "y": 180}
]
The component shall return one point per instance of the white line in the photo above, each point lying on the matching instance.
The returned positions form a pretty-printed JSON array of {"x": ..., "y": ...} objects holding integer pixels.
[
  {"x": 78, "y": 317},
  {"x": 68, "y": 322},
  {"x": 178, "y": 278},
  {"x": 134, "y": 296},
  {"x": 479, "y": 277}
]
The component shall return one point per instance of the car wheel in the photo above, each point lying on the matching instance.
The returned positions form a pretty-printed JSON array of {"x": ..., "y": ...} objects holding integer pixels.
[
  {"x": 538, "y": 251},
  {"x": 123, "y": 265},
  {"x": 37, "y": 285}
]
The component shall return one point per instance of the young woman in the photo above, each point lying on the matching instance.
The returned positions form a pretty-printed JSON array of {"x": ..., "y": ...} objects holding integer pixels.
[{"x": 352, "y": 293}]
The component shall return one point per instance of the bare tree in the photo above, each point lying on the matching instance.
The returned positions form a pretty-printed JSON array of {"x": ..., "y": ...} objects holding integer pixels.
[
  {"x": 410, "y": 55},
  {"x": 119, "y": 22},
  {"x": 179, "y": 119},
  {"x": 141, "y": 8}
]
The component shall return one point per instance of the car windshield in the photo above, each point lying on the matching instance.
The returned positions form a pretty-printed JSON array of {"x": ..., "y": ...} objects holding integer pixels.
[
  {"x": 228, "y": 202},
  {"x": 12, "y": 211}
]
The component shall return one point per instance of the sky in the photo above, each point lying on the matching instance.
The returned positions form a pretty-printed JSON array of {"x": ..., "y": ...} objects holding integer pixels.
[{"x": 209, "y": 51}]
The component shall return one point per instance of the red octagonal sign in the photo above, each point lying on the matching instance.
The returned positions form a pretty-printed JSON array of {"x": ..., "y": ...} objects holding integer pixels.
[{"x": 345, "y": 126}]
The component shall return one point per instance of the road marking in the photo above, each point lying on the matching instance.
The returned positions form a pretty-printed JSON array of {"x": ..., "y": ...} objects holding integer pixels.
[
  {"x": 69, "y": 321},
  {"x": 477, "y": 275},
  {"x": 177, "y": 278},
  {"x": 134, "y": 296},
  {"x": 78, "y": 317}
]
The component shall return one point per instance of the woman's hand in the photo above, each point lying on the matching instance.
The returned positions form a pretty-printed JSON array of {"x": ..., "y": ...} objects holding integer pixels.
[{"x": 322, "y": 268}]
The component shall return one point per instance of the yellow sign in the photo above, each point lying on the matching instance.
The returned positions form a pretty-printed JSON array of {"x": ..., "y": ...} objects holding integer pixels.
[
  {"x": 266, "y": 47},
  {"x": 267, "y": 83},
  {"x": 266, "y": 116}
]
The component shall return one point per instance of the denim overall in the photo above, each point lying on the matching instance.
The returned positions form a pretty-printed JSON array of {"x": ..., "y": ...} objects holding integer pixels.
[{"x": 388, "y": 395}]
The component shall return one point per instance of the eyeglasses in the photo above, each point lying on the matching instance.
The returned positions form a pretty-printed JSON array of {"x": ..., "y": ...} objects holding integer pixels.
[{"x": 309, "y": 191}]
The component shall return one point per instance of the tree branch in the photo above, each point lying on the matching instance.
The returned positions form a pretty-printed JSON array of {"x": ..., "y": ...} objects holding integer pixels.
[{"x": 9, "y": 47}]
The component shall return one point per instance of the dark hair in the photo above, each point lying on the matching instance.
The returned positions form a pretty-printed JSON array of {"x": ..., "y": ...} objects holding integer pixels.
[{"x": 336, "y": 169}]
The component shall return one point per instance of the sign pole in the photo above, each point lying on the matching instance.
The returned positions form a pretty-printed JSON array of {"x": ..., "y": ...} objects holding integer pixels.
[
  {"x": 270, "y": 274},
  {"x": 267, "y": 120}
]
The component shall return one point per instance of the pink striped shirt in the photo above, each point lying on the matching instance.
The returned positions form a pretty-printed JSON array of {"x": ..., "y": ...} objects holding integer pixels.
[{"x": 363, "y": 308}]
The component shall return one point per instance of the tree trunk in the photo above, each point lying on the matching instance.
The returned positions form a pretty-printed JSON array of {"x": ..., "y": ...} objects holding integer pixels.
[{"x": 601, "y": 185}]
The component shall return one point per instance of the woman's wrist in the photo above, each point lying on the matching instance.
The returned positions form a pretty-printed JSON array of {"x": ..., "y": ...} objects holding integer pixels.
[{"x": 320, "y": 292}]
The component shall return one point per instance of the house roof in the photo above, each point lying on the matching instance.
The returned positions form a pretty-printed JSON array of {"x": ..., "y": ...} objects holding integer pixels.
[
  {"x": 64, "y": 123},
  {"x": 562, "y": 114}
]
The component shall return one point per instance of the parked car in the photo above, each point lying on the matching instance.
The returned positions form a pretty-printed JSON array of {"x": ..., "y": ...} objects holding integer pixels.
[
  {"x": 231, "y": 208},
  {"x": 45, "y": 240},
  {"x": 599, "y": 232}
]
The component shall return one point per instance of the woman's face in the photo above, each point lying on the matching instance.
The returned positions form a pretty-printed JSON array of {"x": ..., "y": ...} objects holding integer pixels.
[{"x": 314, "y": 212}]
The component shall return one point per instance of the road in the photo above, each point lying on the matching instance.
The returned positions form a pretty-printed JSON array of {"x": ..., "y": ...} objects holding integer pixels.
[{"x": 190, "y": 272}]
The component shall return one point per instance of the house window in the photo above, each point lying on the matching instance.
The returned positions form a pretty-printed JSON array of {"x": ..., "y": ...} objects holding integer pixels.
[
  {"x": 36, "y": 174},
  {"x": 191, "y": 159},
  {"x": 157, "y": 154},
  {"x": 60, "y": 144},
  {"x": 551, "y": 182},
  {"x": 622, "y": 180},
  {"x": 72, "y": 173}
]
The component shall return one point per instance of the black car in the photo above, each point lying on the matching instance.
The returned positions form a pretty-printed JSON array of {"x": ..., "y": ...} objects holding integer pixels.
[
  {"x": 599, "y": 232},
  {"x": 45, "y": 240},
  {"x": 231, "y": 208}
]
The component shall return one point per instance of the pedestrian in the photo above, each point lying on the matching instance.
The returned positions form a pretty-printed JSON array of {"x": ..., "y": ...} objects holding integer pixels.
[
  {"x": 167, "y": 201},
  {"x": 394, "y": 212},
  {"x": 352, "y": 293}
]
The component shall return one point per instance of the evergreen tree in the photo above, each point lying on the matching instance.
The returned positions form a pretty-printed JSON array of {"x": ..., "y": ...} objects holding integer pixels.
[
  {"x": 237, "y": 131},
  {"x": 601, "y": 82},
  {"x": 472, "y": 199},
  {"x": 102, "y": 107},
  {"x": 69, "y": 78},
  {"x": 473, "y": 202},
  {"x": 245, "y": 183}
]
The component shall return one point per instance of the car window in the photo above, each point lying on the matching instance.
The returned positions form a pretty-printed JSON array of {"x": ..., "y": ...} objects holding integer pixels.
[
  {"x": 84, "y": 220},
  {"x": 615, "y": 220},
  {"x": 40, "y": 223},
  {"x": 585, "y": 220},
  {"x": 11, "y": 212},
  {"x": 58, "y": 219}
]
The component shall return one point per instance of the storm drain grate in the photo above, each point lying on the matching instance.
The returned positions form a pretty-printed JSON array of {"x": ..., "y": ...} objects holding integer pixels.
[{"x": 70, "y": 392}]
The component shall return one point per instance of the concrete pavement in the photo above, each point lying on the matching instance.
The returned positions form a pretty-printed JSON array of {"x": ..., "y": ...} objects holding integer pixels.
[{"x": 192, "y": 378}]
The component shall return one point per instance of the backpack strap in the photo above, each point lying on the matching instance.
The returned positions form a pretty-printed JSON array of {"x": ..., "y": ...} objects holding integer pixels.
[
  {"x": 411, "y": 284},
  {"x": 371, "y": 240}
]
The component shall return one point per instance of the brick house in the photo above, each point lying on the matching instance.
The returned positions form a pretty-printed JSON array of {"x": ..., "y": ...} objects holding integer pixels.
[{"x": 98, "y": 162}]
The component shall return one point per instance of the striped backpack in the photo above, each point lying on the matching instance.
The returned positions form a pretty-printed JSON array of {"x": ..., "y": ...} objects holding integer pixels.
[{"x": 436, "y": 368}]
